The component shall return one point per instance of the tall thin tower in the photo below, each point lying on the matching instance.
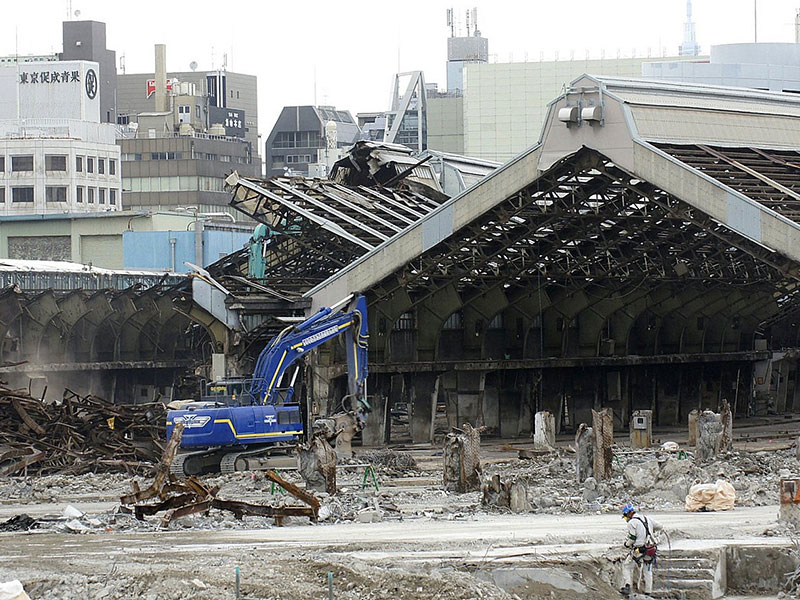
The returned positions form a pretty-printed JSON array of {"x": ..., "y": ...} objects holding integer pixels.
[{"x": 689, "y": 47}]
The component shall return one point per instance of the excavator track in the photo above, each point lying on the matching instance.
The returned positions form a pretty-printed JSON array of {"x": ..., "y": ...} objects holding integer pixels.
[
  {"x": 176, "y": 468},
  {"x": 228, "y": 462}
]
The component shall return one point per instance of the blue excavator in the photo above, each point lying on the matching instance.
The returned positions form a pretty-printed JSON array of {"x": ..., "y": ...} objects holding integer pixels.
[{"x": 238, "y": 421}]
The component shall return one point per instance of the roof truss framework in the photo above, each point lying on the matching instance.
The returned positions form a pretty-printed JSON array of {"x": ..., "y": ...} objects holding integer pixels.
[
  {"x": 586, "y": 224},
  {"x": 318, "y": 227},
  {"x": 770, "y": 177}
]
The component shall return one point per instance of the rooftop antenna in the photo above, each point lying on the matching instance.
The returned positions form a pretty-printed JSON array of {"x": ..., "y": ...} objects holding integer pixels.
[
  {"x": 467, "y": 22},
  {"x": 122, "y": 63},
  {"x": 475, "y": 22},
  {"x": 451, "y": 22},
  {"x": 192, "y": 65},
  {"x": 224, "y": 61}
]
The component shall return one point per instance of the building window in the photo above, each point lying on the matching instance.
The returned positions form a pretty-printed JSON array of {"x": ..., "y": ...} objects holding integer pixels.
[
  {"x": 278, "y": 160},
  {"x": 102, "y": 195},
  {"x": 166, "y": 155},
  {"x": 297, "y": 139},
  {"x": 112, "y": 166},
  {"x": 22, "y": 194},
  {"x": 55, "y": 193},
  {"x": 79, "y": 164},
  {"x": 101, "y": 166},
  {"x": 112, "y": 196},
  {"x": 22, "y": 163},
  {"x": 2, "y": 195},
  {"x": 197, "y": 110},
  {"x": 89, "y": 164},
  {"x": 79, "y": 194},
  {"x": 2, "y": 164},
  {"x": 55, "y": 162},
  {"x": 123, "y": 119},
  {"x": 91, "y": 196}
]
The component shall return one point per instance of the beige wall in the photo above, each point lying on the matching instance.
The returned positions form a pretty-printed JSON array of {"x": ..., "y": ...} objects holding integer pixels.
[
  {"x": 505, "y": 104},
  {"x": 89, "y": 239},
  {"x": 446, "y": 124}
]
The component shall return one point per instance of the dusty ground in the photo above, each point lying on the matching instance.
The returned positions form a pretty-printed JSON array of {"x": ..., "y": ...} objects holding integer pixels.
[{"x": 426, "y": 544}]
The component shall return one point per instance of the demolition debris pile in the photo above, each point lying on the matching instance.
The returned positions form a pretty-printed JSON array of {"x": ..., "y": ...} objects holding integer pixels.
[
  {"x": 653, "y": 480},
  {"x": 191, "y": 496},
  {"x": 78, "y": 434}
]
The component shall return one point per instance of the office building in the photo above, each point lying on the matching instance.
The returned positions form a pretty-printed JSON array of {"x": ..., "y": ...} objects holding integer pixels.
[
  {"x": 55, "y": 154},
  {"x": 182, "y": 133},
  {"x": 86, "y": 40},
  {"x": 308, "y": 135}
]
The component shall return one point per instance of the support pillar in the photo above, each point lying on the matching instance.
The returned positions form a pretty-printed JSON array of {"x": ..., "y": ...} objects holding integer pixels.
[
  {"x": 374, "y": 432},
  {"x": 424, "y": 388},
  {"x": 783, "y": 386},
  {"x": 693, "y": 414},
  {"x": 603, "y": 430}
]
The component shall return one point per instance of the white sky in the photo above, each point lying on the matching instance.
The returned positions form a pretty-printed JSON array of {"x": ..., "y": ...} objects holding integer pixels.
[{"x": 352, "y": 48}]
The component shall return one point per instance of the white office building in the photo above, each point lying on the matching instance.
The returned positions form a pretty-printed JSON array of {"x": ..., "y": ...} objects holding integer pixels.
[{"x": 55, "y": 154}]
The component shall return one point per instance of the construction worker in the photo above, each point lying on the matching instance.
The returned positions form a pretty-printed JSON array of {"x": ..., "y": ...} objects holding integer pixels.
[{"x": 642, "y": 549}]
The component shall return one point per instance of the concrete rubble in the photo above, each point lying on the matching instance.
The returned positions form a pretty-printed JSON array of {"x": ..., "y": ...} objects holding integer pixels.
[{"x": 409, "y": 491}]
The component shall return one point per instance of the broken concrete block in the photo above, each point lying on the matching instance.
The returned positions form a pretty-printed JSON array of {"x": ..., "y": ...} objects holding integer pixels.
[
  {"x": 544, "y": 436},
  {"x": 70, "y": 512},
  {"x": 518, "y": 497},
  {"x": 496, "y": 493},
  {"x": 369, "y": 516},
  {"x": 316, "y": 462},
  {"x": 509, "y": 494},
  {"x": 462, "y": 460}
]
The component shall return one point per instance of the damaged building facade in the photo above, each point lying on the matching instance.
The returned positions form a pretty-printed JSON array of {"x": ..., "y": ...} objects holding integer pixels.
[
  {"x": 123, "y": 335},
  {"x": 641, "y": 256}
]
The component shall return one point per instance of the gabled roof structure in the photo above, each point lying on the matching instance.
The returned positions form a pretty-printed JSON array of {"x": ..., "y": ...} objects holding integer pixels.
[{"x": 632, "y": 181}]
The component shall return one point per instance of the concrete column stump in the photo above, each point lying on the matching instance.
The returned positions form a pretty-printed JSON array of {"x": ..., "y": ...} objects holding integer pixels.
[
  {"x": 603, "y": 429},
  {"x": 462, "y": 459},
  {"x": 544, "y": 436},
  {"x": 790, "y": 501},
  {"x": 584, "y": 452},
  {"x": 714, "y": 433}
]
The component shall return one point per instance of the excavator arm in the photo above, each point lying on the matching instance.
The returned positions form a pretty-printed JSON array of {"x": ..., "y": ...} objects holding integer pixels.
[{"x": 296, "y": 340}]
